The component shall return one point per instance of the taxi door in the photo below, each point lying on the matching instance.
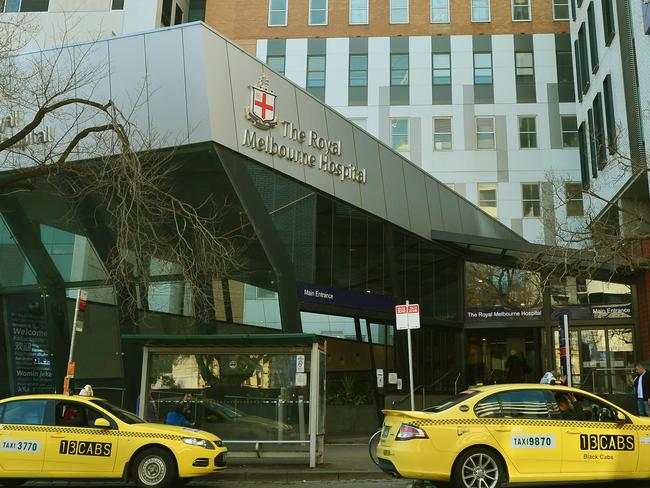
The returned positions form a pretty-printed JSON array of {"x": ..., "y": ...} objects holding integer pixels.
[
  {"x": 75, "y": 446},
  {"x": 22, "y": 437},
  {"x": 595, "y": 443},
  {"x": 523, "y": 429}
]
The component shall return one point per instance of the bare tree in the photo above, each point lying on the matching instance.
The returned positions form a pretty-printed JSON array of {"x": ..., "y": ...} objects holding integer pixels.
[{"x": 107, "y": 169}]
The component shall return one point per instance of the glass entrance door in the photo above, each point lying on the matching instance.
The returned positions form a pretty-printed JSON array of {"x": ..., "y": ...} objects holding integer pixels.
[{"x": 601, "y": 359}]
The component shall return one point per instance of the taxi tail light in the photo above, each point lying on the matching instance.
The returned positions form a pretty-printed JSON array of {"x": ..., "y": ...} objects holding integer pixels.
[{"x": 407, "y": 432}]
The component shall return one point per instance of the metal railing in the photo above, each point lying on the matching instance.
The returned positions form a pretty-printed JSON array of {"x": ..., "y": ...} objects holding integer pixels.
[{"x": 430, "y": 387}]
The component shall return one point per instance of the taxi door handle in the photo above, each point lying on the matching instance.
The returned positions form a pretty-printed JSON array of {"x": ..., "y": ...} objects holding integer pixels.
[
  {"x": 57, "y": 436},
  {"x": 503, "y": 428},
  {"x": 572, "y": 431}
]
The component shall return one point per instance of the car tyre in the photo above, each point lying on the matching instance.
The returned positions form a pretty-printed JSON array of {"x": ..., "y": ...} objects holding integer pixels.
[
  {"x": 479, "y": 468},
  {"x": 154, "y": 468},
  {"x": 12, "y": 482}
]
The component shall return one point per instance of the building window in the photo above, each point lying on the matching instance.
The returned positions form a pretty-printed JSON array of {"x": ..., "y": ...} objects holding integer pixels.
[
  {"x": 399, "y": 135},
  {"x": 525, "y": 77},
  {"x": 569, "y": 131},
  {"x": 531, "y": 202},
  {"x": 593, "y": 40},
  {"x": 317, "y": 12},
  {"x": 610, "y": 118},
  {"x": 573, "y": 197},
  {"x": 442, "y": 134},
  {"x": 560, "y": 9},
  {"x": 178, "y": 15},
  {"x": 520, "y": 10},
  {"x": 358, "y": 70},
  {"x": 197, "y": 11},
  {"x": 276, "y": 63},
  {"x": 482, "y": 68},
  {"x": 608, "y": 21},
  {"x": 358, "y": 11},
  {"x": 399, "y": 11},
  {"x": 117, "y": 5},
  {"x": 487, "y": 198},
  {"x": 166, "y": 13},
  {"x": 277, "y": 12},
  {"x": 599, "y": 132},
  {"x": 527, "y": 133},
  {"x": 582, "y": 59},
  {"x": 399, "y": 69},
  {"x": 480, "y": 10},
  {"x": 440, "y": 11},
  {"x": 485, "y": 133},
  {"x": 584, "y": 158},
  {"x": 9, "y": 6},
  {"x": 315, "y": 71},
  {"x": 564, "y": 63},
  {"x": 441, "y": 63}
]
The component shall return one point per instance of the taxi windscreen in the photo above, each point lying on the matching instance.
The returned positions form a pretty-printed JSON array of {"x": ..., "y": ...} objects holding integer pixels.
[
  {"x": 451, "y": 401},
  {"x": 123, "y": 415}
]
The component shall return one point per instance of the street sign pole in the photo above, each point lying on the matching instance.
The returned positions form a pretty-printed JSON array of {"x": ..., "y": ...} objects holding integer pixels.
[{"x": 408, "y": 335}]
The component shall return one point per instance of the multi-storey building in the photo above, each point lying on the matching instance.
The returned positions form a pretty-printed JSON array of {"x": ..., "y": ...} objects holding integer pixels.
[{"x": 479, "y": 93}]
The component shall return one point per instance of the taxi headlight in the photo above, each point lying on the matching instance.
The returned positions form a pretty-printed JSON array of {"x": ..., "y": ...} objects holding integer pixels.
[
  {"x": 407, "y": 432},
  {"x": 193, "y": 441}
]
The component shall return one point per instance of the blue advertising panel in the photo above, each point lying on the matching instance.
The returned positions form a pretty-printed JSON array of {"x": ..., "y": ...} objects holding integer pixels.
[{"x": 28, "y": 342}]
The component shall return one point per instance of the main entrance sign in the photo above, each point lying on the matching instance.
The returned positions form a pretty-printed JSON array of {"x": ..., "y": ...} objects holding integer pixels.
[{"x": 291, "y": 144}]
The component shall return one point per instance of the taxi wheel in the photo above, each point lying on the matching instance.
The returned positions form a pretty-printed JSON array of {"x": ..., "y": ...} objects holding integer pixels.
[
  {"x": 479, "y": 468},
  {"x": 154, "y": 468}
]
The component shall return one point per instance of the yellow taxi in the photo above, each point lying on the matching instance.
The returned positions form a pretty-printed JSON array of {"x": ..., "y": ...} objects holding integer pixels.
[
  {"x": 60, "y": 436},
  {"x": 494, "y": 435}
]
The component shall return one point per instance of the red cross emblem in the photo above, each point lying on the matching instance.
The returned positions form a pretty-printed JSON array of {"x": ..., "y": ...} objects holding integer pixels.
[{"x": 263, "y": 105}]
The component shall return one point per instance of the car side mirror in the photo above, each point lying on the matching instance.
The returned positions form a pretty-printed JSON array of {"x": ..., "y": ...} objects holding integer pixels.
[{"x": 102, "y": 423}]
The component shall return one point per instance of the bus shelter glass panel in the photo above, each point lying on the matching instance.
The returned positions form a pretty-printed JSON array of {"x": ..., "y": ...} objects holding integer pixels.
[{"x": 237, "y": 395}]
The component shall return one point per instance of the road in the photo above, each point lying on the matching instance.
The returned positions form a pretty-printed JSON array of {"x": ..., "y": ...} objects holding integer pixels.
[{"x": 326, "y": 484}]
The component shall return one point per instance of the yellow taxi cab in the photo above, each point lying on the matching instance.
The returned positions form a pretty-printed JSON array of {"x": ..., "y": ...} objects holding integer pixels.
[
  {"x": 60, "y": 436},
  {"x": 494, "y": 435}
]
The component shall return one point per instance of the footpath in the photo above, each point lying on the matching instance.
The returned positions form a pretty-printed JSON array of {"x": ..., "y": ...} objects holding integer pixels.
[{"x": 342, "y": 461}]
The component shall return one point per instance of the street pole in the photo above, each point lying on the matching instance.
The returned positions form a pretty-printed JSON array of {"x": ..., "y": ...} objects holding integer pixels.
[{"x": 408, "y": 335}]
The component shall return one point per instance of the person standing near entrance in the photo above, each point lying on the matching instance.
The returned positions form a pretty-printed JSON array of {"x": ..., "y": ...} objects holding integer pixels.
[
  {"x": 642, "y": 389},
  {"x": 514, "y": 368}
]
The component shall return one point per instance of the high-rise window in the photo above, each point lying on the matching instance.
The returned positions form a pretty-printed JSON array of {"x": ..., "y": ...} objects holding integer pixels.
[
  {"x": 317, "y": 12},
  {"x": 358, "y": 70},
  {"x": 610, "y": 119},
  {"x": 399, "y": 11},
  {"x": 277, "y": 12},
  {"x": 608, "y": 21},
  {"x": 525, "y": 77},
  {"x": 441, "y": 63},
  {"x": 480, "y": 10},
  {"x": 439, "y": 11},
  {"x": 531, "y": 202},
  {"x": 487, "y": 198},
  {"x": 564, "y": 64},
  {"x": 276, "y": 63},
  {"x": 117, "y": 5},
  {"x": 573, "y": 199},
  {"x": 315, "y": 72},
  {"x": 593, "y": 39},
  {"x": 569, "y": 131},
  {"x": 583, "y": 60},
  {"x": 24, "y": 5},
  {"x": 196, "y": 12},
  {"x": 358, "y": 11},
  {"x": 560, "y": 9},
  {"x": 166, "y": 13},
  {"x": 399, "y": 69},
  {"x": 527, "y": 132},
  {"x": 399, "y": 135},
  {"x": 442, "y": 134},
  {"x": 599, "y": 132},
  {"x": 178, "y": 15},
  {"x": 520, "y": 10},
  {"x": 485, "y": 133},
  {"x": 482, "y": 68}
]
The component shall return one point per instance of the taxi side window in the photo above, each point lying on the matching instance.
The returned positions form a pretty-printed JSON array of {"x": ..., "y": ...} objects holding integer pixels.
[
  {"x": 76, "y": 414},
  {"x": 583, "y": 408},
  {"x": 520, "y": 404},
  {"x": 26, "y": 412}
]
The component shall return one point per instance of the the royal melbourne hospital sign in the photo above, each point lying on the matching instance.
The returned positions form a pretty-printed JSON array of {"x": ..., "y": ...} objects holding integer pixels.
[{"x": 320, "y": 153}]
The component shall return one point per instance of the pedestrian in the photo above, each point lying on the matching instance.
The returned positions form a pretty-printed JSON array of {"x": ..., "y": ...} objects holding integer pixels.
[
  {"x": 513, "y": 368},
  {"x": 176, "y": 417},
  {"x": 187, "y": 406},
  {"x": 642, "y": 389}
]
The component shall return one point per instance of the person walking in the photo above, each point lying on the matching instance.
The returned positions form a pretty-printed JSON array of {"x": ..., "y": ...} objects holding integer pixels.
[{"x": 642, "y": 389}]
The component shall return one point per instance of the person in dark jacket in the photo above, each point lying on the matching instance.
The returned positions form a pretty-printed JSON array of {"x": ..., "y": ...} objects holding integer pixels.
[
  {"x": 176, "y": 417},
  {"x": 642, "y": 389}
]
